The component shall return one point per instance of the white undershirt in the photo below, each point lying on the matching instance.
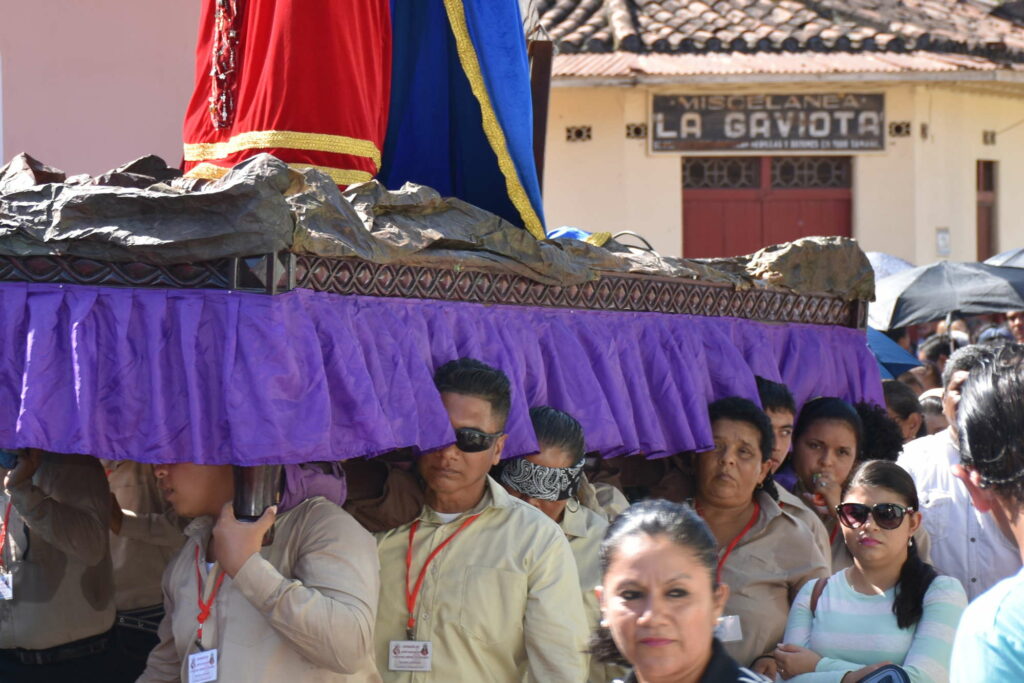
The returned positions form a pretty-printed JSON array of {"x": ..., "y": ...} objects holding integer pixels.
[{"x": 447, "y": 517}]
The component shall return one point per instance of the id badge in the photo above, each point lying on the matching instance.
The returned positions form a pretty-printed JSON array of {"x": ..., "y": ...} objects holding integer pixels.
[
  {"x": 410, "y": 655},
  {"x": 6, "y": 586},
  {"x": 202, "y": 666},
  {"x": 728, "y": 629}
]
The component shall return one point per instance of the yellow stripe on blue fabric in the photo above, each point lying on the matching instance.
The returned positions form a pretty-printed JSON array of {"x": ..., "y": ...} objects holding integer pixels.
[{"x": 492, "y": 128}]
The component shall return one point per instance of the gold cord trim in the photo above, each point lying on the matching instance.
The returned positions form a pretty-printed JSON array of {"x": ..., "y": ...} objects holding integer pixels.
[
  {"x": 283, "y": 139},
  {"x": 598, "y": 238},
  {"x": 495, "y": 135},
  {"x": 207, "y": 171},
  {"x": 340, "y": 176}
]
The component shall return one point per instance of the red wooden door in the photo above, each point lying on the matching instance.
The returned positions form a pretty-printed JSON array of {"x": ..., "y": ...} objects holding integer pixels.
[
  {"x": 986, "y": 221},
  {"x": 737, "y": 205}
]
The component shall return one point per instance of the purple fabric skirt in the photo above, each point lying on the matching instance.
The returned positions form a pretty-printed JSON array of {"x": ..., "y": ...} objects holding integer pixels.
[{"x": 227, "y": 377}]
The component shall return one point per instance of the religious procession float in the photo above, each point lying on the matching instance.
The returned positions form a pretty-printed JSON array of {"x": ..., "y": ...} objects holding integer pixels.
[{"x": 285, "y": 297}]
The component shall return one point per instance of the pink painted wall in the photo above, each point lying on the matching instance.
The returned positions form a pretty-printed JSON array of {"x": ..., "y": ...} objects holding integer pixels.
[{"x": 90, "y": 84}]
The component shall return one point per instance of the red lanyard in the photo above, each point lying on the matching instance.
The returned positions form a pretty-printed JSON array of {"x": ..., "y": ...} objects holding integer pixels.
[
  {"x": 832, "y": 534},
  {"x": 732, "y": 545},
  {"x": 411, "y": 596},
  {"x": 3, "y": 534},
  {"x": 204, "y": 607}
]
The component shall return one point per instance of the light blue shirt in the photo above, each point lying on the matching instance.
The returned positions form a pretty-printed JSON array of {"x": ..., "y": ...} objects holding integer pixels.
[{"x": 989, "y": 643}]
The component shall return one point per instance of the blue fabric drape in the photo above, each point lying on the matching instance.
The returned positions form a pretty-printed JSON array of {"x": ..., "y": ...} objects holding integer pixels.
[{"x": 436, "y": 132}]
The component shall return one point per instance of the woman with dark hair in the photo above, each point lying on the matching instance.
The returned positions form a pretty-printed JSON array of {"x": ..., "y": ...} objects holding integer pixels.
[
  {"x": 550, "y": 481},
  {"x": 765, "y": 555},
  {"x": 888, "y": 607},
  {"x": 883, "y": 438},
  {"x": 935, "y": 420},
  {"x": 660, "y": 598},
  {"x": 828, "y": 441},
  {"x": 904, "y": 408}
]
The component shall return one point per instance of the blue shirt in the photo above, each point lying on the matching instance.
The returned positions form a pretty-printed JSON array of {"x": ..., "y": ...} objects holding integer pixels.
[{"x": 989, "y": 643}]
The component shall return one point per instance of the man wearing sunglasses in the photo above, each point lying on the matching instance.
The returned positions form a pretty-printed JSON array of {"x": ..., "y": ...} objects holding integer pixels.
[
  {"x": 966, "y": 542},
  {"x": 481, "y": 586}
]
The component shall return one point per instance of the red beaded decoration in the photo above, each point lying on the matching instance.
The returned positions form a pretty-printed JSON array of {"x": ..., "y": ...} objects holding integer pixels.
[{"x": 224, "y": 67}]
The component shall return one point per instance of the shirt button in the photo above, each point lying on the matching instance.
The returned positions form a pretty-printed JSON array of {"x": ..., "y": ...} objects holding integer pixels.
[
  {"x": 972, "y": 539},
  {"x": 973, "y": 580},
  {"x": 426, "y": 617}
]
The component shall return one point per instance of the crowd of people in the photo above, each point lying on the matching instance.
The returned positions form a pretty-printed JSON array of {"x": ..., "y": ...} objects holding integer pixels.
[{"x": 836, "y": 542}]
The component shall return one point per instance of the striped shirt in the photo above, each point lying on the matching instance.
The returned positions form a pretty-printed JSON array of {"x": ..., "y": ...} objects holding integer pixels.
[{"x": 851, "y": 630}]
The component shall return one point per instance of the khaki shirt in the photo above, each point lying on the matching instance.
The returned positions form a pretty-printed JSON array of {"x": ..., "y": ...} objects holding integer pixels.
[
  {"x": 301, "y": 610},
  {"x": 585, "y": 529},
  {"x": 150, "y": 535},
  {"x": 797, "y": 508},
  {"x": 501, "y": 603},
  {"x": 58, "y": 554},
  {"x": 764, "y": 572},
  {"x": 602, "y": 498}
]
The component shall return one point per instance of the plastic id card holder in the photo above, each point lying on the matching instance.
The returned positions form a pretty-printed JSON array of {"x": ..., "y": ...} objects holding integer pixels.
[
  {"x": 728, "y": 629},
  {"x": 410, "y": 655},
  {"x": 202, "y": 666}
]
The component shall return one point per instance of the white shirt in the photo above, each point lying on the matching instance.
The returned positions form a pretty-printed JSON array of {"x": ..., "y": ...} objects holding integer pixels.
[{"x": 966, "y": 543}]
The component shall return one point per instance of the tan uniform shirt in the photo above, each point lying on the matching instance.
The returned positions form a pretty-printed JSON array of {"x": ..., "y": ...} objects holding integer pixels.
[
  {"x": 585, "y": 530},
  {"x": 150, "y": 535},
  {"x": 58, "y": 554},
  {"x": 501, "y": 603},
  {"x": 797, "y": 508},
  {"x": 602, "y": 498},
  {"x": 764, "y": 572},
  {"x": 302, "y": 610}
]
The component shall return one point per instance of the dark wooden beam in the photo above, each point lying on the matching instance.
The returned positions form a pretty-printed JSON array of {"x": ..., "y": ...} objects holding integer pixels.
[{"x": 541, "y": 53}]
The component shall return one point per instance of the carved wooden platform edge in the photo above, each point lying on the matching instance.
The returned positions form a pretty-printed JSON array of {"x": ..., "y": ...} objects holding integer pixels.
[
  {"x": 282, "y": 272},
  {"x": 255, "y": 274},
  {"x": 613, "y": 292}
]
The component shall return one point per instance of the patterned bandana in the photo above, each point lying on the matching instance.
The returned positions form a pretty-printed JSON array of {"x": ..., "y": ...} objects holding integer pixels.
[{"x": 542, "y": 483}]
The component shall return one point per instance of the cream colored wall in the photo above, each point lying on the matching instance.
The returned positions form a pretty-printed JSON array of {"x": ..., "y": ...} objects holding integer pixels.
[
  {"x": 900, "y": 195},
  {"x": 90, "y": 85},
  {"x": 946, "y": 165},
  {"x": 884, "y": 200},
  {"x": 609, "y": 183}
]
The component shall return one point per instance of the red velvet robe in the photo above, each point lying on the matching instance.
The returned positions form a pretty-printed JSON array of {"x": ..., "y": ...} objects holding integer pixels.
[{"x": 310, "y": 86}]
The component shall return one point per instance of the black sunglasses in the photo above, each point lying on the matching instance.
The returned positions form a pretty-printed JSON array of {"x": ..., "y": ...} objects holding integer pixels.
[
  {"x": 470, "y": 440},
  {"x": 887, "y": 515}
]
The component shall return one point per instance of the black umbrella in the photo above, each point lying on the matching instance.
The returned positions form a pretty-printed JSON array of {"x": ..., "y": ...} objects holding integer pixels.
[
  {"x": 1013, "y": 257},
  {"x": 930, "y": 292}
]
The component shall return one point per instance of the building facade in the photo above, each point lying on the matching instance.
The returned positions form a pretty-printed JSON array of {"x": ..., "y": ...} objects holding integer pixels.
[
  {"x": 720, "y": 147},
  {"x": 87, "y": 86}
]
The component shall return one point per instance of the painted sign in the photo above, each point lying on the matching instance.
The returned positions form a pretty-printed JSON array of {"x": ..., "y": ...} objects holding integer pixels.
[{"x": 847, "y": 122}]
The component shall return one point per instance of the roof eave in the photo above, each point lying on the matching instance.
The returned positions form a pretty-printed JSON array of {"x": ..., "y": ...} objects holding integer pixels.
[{"x": 1001, "y": 76}]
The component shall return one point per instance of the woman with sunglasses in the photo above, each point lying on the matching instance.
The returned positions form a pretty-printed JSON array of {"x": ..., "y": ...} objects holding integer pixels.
[
  {"x": 764, "y": 554},
  {"x": 889, "y": 607},
  {"x": 828, "y": 442}
]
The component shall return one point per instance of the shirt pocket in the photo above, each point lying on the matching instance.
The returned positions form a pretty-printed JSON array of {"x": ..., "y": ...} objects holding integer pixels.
[
  {"x": 936, "y": 508},
  {"x": 493, "y": 604}
]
